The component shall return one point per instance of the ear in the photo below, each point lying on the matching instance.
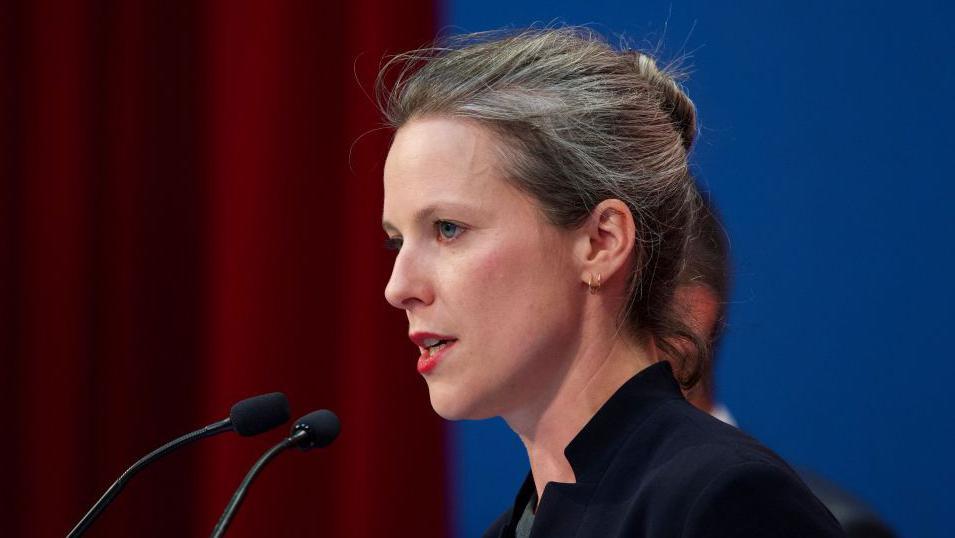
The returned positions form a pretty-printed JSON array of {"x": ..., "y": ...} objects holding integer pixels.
[{"x": 606, "y": 242}]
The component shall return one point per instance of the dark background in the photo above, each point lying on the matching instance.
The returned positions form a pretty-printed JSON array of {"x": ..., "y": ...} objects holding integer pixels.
[{"x": 181, "y": 228}]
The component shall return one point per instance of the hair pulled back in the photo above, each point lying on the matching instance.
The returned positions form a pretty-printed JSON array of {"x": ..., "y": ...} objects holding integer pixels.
[{"x": 579, "y": 122}]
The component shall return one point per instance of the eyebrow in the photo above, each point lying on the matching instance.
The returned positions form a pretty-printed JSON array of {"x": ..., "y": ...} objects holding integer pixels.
[{"x": 426, "y": 213}]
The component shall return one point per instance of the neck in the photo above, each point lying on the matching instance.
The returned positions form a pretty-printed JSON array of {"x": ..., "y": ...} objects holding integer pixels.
[{"x": 547, "y": 427}]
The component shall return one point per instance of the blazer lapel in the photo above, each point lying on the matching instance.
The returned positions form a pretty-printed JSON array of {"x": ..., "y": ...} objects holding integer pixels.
[{"x": 561, "y": 510}]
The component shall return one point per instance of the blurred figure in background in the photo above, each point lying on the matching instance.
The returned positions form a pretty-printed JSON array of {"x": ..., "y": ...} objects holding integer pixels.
[{"x": 701, "y": 299}]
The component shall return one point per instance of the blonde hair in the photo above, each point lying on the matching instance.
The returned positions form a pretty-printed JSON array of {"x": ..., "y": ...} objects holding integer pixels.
[{"x": 580, "y": 122}]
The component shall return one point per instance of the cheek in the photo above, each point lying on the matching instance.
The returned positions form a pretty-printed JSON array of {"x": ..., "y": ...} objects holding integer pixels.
[
  {"x": 472, "y": 283},
  {"x": 513, "y": 284},
  {"x": 512, "y": 300},
  {"x": 491, "y": 269},
  {"x": 501, "y": 272}
]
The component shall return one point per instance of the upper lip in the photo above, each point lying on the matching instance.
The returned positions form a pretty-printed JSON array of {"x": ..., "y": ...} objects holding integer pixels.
[{"x": 420, "y": 338}]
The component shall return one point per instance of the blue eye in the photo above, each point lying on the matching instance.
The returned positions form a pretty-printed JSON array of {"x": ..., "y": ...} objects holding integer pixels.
[{"x": 448, "y": 230}]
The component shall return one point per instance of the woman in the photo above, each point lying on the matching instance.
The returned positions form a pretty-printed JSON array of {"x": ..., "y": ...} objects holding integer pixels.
[{"x": 537, "y": 192}]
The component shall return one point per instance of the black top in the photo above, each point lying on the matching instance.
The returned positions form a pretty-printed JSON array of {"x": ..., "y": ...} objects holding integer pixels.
[{"x": 650, "y": 464}]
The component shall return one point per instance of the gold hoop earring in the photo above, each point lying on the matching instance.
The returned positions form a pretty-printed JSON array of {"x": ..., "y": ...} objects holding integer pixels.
[{"x": 594, "y": 286}]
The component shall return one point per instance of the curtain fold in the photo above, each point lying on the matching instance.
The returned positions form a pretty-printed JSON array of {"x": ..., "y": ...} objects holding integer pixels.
[{"x": 190, "y": 204}]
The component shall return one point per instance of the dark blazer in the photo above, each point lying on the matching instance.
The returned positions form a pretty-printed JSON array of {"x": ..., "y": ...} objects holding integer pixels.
[{"x": 650, "y": 464}]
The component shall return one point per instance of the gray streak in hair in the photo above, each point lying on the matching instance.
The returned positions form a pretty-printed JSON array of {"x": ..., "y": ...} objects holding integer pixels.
[{"x": 580, "y": 123}]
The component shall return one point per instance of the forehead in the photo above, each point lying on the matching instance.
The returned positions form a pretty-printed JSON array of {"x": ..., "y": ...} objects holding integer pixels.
[{"x": 443, "y": 160}]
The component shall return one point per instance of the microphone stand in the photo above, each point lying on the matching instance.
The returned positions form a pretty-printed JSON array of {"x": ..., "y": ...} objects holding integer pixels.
[
  {"x": 113, "y": 491},
  {"x": 239, "y": 494},
  {"x": 315, "y": 430}
]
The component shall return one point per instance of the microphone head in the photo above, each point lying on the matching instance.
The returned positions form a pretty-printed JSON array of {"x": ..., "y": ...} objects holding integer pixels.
[
  {"x": 321, "y": 428},
  {"x": 259, "y": 414}
]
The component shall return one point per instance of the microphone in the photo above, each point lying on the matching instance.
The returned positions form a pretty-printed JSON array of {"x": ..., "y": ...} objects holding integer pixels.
[
  {"x": 315, "y": 430},
  {"x": 251, "y": 416}
]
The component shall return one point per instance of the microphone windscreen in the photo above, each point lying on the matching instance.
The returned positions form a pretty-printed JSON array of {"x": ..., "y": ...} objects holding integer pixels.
[
  {"x": 322, "y": 427},
  {"x": 259, "y": 414}
]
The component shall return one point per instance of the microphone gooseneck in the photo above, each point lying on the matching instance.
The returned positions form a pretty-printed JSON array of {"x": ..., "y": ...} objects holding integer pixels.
[
  {"x": 253, "y": 415},
  {"x": 315, "y": 430}
]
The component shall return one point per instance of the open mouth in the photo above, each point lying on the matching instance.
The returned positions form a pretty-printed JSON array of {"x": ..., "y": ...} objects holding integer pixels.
[{"x": 434, "y": 345}]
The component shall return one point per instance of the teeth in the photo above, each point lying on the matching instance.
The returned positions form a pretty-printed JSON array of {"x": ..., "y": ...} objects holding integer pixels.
[{"x": 428, "y": 342}]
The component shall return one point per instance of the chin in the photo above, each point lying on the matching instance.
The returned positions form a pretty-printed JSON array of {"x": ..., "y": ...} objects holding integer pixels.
[{"x": 451, "y": 404}]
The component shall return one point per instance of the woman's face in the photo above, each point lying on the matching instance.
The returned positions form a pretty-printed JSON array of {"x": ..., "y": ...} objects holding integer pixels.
[{"x": 479, "y": 272}]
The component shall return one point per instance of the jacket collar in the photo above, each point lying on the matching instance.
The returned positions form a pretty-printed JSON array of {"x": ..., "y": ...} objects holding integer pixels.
[{"x": 591, "y": 451}]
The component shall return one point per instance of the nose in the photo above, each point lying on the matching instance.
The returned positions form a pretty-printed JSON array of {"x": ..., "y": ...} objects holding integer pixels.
[{"x": 409, "y": 285}]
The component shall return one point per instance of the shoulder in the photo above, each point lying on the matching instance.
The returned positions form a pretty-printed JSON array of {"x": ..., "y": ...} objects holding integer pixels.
[
  {"x": 757, "y": 498},
  {"x": 696, "y": 476},
  {"x": 682, "y": 445}
]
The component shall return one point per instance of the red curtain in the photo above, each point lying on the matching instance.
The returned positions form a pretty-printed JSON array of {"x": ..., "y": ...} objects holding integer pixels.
[{"x": 189, "y": 215}]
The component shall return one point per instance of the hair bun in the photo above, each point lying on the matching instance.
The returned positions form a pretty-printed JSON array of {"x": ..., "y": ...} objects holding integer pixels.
[{"x": 673, "y": 100}]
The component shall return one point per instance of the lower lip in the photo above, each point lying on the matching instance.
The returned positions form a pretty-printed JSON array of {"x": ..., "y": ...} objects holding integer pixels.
[{"x": 428, "y": 361}]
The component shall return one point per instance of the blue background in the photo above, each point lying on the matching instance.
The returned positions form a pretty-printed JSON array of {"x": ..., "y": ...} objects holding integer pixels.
[{"x": 826, "y": 134}]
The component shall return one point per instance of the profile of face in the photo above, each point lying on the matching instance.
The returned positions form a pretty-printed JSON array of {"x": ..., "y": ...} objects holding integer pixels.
[{"x": 490, "y": 288}]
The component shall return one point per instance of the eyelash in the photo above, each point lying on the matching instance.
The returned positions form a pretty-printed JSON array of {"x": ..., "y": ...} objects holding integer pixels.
[
  {"x": 440, "y": 236},
  {"x": 395, "y": 243}
]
